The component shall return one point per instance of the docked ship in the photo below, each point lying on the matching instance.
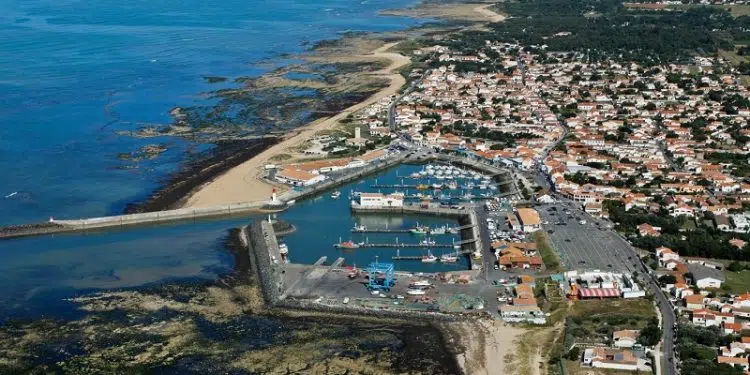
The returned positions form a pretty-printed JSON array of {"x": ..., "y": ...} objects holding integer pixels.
[
  {"x": 448, "y": 258},
  {"x": 347, "y": 245},
  {"x": 429, "y": 258},
  {"x": 428, "y": 242},
  {"x": 419, "y": 230},
  {"x": 438, "y": 230},
  {"x": 336, "y": 194}
]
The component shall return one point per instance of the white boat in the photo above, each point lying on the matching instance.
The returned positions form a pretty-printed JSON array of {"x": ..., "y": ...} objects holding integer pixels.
[
  {"x": 359, "y": 228},
  {"x": 438, "y": 230},
  {"x": 448, "y": 258},
  {"x": 414, "y": 175},
  {"x": 421, "y": 283},
  {"x": 283, "y": 249},
  {"x": 423, "y": 173},
  {"x": 429, "y": 258},
  {"x": 428, "y": 241},
  {"x": 437, "y": 186},
  {"x": 416, "y": 292},
  {"x": 336, "y": 194}
]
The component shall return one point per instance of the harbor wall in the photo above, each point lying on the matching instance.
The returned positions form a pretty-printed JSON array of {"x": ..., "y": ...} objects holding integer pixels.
[
  {"x": 411, "y": 209},
  {"x": 335, "y": 182},
  {"x": 262, "y": 245},
  {"x": 180, "y": 214},
  {"x": 186, "y": 214},
  {"x": 263, "y": 248}
]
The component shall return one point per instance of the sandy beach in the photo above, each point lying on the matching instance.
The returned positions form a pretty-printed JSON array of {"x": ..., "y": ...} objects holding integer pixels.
[
  {"x": 244, "y": 184},
  {"x": 471, "y": 12},
  {"x": 483, "y": 346}
]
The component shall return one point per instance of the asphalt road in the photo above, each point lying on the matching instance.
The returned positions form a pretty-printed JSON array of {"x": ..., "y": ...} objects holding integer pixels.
[
  {"x": 584, "y": 246},
  {"x": 603, "y": 247}
]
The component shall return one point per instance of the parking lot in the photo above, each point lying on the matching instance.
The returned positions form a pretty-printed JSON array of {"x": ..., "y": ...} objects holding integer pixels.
[{"x": 584, "y": 242}]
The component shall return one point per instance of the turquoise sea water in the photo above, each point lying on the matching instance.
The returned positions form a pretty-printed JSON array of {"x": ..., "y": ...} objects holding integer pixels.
[{"x": 72, "y": 73}]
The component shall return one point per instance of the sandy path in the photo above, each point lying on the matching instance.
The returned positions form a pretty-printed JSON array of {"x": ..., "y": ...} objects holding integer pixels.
[
  {"x": 491, "y": 15},
  {"x": 243, "y": 183},
  {"x": 485, "y": 344}
]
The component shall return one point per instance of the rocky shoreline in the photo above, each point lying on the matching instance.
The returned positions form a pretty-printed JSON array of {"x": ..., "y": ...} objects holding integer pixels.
[{"x": 221, "y": 326}]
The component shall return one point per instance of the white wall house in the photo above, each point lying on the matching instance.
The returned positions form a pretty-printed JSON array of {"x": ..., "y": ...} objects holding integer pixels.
[{"x": 381, "y": 200}]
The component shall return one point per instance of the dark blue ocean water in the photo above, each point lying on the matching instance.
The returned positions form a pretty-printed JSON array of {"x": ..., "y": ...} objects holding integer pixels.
[{"x": 72, "y": 73}]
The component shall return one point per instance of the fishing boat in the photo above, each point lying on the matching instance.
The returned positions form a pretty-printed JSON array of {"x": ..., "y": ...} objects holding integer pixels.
[
  {"x": 429, "y": 258},
  {"x": 422, "y": 187},
  {"x": 347, "y": 245},
  {"x": 359, "y": 228},
  {"x": 336, "y": 194},
  {"x": 416, "y": 292},
  {"x": 415, "y": 175},
  {"x": 419, "y": 229},
  {"x": 438, "y": 230},
  {"x": 428, "y": 242},
  {"x": 448, "y": 258}
]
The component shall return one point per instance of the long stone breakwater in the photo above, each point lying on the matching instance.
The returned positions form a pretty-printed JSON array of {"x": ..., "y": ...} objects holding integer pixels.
[{"x": 186, "y": 214}]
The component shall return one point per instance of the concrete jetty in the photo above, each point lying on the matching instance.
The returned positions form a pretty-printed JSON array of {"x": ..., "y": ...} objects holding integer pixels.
[
  {"x": 180, "y": 214},
  {"x": 186, "y": 214}
]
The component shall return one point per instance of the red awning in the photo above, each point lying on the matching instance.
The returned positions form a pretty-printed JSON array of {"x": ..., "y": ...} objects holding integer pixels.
[{"x": 598, "y": 293}]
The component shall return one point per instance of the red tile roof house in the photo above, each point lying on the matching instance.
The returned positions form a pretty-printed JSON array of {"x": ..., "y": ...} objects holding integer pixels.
[
  {"x": 647, "y": 229},
  {"x": 734, "y": 361},
  {"x": 610, "y": 358}
]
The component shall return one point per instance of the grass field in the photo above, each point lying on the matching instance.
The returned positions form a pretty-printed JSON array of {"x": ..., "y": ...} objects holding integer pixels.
[
  {"x": 549, "y": 256},
  {"x": 732, "y": 57},
  {"x": 738, "y": 10},
  {"x": 738, "y": 282},
  {"x": 640, "y": 307},
  {"x": 735, "y": 10}
]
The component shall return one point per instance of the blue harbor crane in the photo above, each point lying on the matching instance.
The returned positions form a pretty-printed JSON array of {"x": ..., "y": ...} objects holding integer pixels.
[{"x": 381, "y": 276}]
